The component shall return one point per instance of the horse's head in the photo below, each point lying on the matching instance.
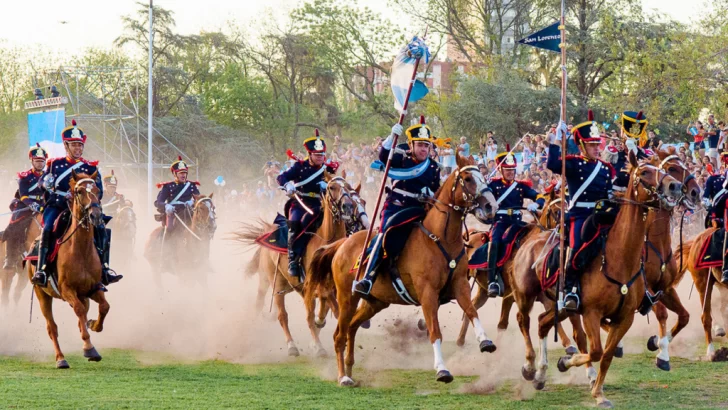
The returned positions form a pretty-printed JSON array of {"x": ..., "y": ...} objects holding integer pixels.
[
  {"x": 85, "y": 194},
  {"x": 361, "y": 219},
  {"x": 339, "y": 197},
  {"x": 652, "y": 186},
  {"x": 551, "y": 214},
  {"x": 671, "y": 163},
  {"x": 469, "y": 190},
  {"x": 204, "y": 219}
]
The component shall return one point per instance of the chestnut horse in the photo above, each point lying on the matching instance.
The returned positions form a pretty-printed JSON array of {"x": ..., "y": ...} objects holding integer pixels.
[
  {"x": 338, "y": 206},
  {"x": 431, "y": 265},
  {"x": 661, "y": 263},
  {"x": 7, "y": 275},
  {"x": 613, "y": 285},
  {"x": 78, "y": 269},
  {"x": 548, "y": 219},
  {"x": 189, "y": 248}
]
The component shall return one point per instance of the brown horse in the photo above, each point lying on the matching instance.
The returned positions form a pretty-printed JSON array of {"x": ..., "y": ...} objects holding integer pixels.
[
  {"x": 338, "y": 205},
  {"x": 7, "y": 275},
  {"x": 661, "y": 264},
  {"x": 187, "y": 252},
  {"x": 614, "y": 285},
  {"x": 431, "y": 265},
  {"x": 78, "y": 269},
  {"x": 548, "y": 219}
]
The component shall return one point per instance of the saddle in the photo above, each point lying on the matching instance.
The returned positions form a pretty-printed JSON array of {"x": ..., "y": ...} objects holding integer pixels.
[
  {"x": 277, "y": 239},
  {"x": 593, "y": 238},
  {"x": 512, "y": 237},
  {"x": 59, "y": 229},
  {"x": 711, "y": 253}
]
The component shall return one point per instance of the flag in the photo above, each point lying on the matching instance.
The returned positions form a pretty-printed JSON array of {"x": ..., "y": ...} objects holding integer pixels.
[
  {"x": 402, "y": 69},
  {"x": 548, "y": 38}
]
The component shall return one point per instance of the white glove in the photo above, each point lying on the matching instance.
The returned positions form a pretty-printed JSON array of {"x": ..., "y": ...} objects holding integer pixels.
[
  {"x": 47, "y": 182},
  {"x": 631, "y": 145},
  {"x": 396, "y": 130},
  {"x": 323, "y": 185},
  {"x": 169, "y": 209},
  {"x": 290, "y": 188},
  {"x": 191, "y": 202},
  {"x": 706, "y": 202},
  {"x": 560, "y": 131},
  {"x": 34, "y": 207},
  {"x": 532, "y": 207}
]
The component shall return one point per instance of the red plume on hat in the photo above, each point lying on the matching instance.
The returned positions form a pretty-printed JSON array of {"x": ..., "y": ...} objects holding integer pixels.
[
  {"x": 590, "y": 115},
  {"x": 422, "y": 119}
]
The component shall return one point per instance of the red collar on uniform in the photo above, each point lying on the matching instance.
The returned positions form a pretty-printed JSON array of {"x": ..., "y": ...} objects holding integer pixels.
[
  {"x": 73, "y": 161},
  {"x": 506, "y": 183}
]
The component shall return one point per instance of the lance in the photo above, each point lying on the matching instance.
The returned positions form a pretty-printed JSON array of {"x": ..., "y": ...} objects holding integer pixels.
[
  {"x": 562, "y": 264},
  {"x": 386, "y": 167}
]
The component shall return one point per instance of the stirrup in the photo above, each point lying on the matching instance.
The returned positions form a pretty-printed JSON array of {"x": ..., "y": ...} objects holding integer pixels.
[
  {"x": 571, "y": 302},
  {"x": 109, "y": 276},
  {"x": 294, "y": 269},
  {"x": 363, "y": 287},
  {"x": 39, "y": 278},
  {"x": 494, "y": 290}
]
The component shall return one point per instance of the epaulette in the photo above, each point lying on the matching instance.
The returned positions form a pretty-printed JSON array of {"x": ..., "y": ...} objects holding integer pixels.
[
  {"x": 23, "y": 174},
  {"x": 611, "y": 168},
  {"x": 612, "y": 149},
  {"x": 195, "y": 182},
  {"x": 92, "y": 163},
  {"x": 161, "y": 184},
  {"x": 526, "y": 182}
]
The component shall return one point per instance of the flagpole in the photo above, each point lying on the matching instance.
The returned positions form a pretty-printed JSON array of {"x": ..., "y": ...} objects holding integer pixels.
[
  {"x": 562, "y": 28},
  {"x": 386, "y": 168}
]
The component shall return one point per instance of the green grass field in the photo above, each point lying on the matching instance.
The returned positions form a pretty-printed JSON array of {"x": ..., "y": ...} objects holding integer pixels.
[{"x": 123, "y": 380}]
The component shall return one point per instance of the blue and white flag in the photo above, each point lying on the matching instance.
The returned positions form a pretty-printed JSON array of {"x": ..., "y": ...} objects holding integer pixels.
[
  {"x": 548, "y": 38},
  {"x": 402, "y": 69}
]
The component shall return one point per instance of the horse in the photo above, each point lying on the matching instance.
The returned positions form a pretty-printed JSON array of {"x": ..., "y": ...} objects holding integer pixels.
[
  {"x": 125, "y": 229},
  {"x": 431, "y": 266},
  {"x": 7, "y": 275},
  {"x": 190, "y": 247},
  {"x": 661, "y": 267},
  {"x": 608, "y": 293},
  {"x": 338, "y": 206},
  {"x": 548, "y": 219},
  {"x": 77, "y": 269}
]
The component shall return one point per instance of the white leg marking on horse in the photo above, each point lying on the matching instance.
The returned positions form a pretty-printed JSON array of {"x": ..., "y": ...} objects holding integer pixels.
[
  {"x": 620, "y": 344},
  {"x": 711, "y": 351},
  {"x": 664, "y": 345},
  {"x": 292, "y": 344},
  {"x": 439, "y": 361},
  {"x": 591, "y": 373},
  {"x": 543, "y": 362},
  {"x": 479, "y": 331}
]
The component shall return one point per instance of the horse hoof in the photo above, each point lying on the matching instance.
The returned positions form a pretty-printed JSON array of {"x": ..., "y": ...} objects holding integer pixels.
[
  {"x": 487, "y": 346},
  {"x": 92, "y": 355},
  {"x": 619, "y": 352},
  {"x": 606, "y": 404},
  {"x": 366, "y": 324},
  {"x": 346, "y": 381},
  {"x": 321, "y": 352},
  {"x": 719, "y": 332},
  {"x": 571, "y": 350},
  {"x": 539, "y": 384},
  {"x": 319, "y": 325},
  {"x": 293, "y": 351},
  {"x": 422, "y": 325},
  {"x": 652, "y": 344},
  {"x": 561, "y": 364},
  {"x": 62, "y": 364},
  {"x": 528, "y": 375},
  {"x": 444, "y": 376},
  {"x": 662, "y": 364},
  {"x": 460, "y": 343}
]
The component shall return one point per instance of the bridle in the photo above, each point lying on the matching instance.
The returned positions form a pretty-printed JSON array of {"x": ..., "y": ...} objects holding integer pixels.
[
  {"x": 210, "y": 225},
  {"x": 85, "y": 219},
  {"x": 468, "y": 197},
  {"x": 687, "y": 176},
  {"x": 336, "y": 204}
]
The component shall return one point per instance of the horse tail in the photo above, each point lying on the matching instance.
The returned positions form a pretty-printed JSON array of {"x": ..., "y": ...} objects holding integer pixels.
[
  {"x": 249, "y": 232},
  {"x": 682, "y": 255},
  {"x": 320, "y": 273},
  {"x": 251, "y": 268}
]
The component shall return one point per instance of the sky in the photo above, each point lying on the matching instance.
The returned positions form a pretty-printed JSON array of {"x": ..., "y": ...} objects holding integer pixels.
[{"x": 70, "y": 26}]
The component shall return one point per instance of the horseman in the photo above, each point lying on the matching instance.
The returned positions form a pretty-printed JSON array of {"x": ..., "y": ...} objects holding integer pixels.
[
  {"x": 28, "y": 200},
  {"x": 176, "y": 197},
  {"x": 304, "y": 183},
  {"x": 715, "y": 196},
  {"x": 56, "y": 184},
  {"x": 510, "y": 195},
  {"x": 589, "y": 181},
  {"x": 416, "y": 178},
  {"x": 115, "y": 200}
]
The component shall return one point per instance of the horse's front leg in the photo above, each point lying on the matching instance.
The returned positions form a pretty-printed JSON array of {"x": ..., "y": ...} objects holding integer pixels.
[
  {"x": 98, "y": 324},
  {"x": 430, "y": 306},
  {"x": 461, "y": 291},
  {"x": 80, "y": 308}
]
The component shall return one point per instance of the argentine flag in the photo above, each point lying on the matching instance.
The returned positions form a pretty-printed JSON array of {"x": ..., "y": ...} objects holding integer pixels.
[{"x": 402, "y": 69}]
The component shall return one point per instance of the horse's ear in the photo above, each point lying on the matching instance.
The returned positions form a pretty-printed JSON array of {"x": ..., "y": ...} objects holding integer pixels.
[
  {"x": 211, "y": 195},
  {"x": 94, "y": 175},
  {"x": 343, "y": 174},
  {"x": 633, "y": 159},
  {"x": 358, "y": 188},
  {"x": 462, "y": 162},
  {"x": 73, "y": 175}
]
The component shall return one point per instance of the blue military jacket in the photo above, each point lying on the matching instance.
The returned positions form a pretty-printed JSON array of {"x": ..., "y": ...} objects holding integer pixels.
[
  {"x": 29, "y": 189},
  {"x": 514, "y": 199},
  {"x": 303, "y": 170},
  {"x": 578, "y": 170},
  {"x": 426, "y": 184},
  {"x": 58, "y": 175},
  {"x": 170, "y": 194},
  {"x": 714, "y": 192}
]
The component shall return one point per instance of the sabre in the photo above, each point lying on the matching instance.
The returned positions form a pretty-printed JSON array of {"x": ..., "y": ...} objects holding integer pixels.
[{"x": 300, "y": 201}]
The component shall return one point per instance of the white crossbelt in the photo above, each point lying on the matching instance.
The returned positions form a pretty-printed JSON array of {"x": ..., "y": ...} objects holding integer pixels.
[
  {"x": 619, "y": 188},
  {"x": 585, "y": 185},
  {"x": 64, "y": 175},
  {"x": 405, "y": 193},
  {"x": 508, "y": 212},
  {"x": 176, "y": 201},
  {"x": 312, "y": 177},
  {"x": 508, "y": 192},
  {"x": 585, "y": 204}
]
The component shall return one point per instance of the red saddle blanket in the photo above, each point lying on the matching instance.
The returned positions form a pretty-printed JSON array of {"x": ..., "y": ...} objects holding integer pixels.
[{"x": 711, "y": 251}]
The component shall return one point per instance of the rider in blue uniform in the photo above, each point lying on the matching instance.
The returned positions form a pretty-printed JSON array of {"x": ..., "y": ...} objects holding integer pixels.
[
  {"x": 28, "y": 200},
  {"x": 56, "y": 184},
  {"x": 176, "y": 197},
  {"x": 416, "y": 177},
  {"x": 510, "y": 195},
  {"x": 304, "y": 184},
  {"x": 715, "y": 196},
  {"x": 113, "y": 200},
  {"x": 634, "y": 128},
  {"x": 589, "y": 181}
]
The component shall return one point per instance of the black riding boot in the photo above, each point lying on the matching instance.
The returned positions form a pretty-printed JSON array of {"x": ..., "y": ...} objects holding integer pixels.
[
  {"x": 294, "y": 259},
  {"x": 39, "y": 277},
  {"x": 364, "y": 286},
  {"x": 102, "y": 239},
  {"x": 495, "y": 281},
  {"x": 572, "y": 300}
]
